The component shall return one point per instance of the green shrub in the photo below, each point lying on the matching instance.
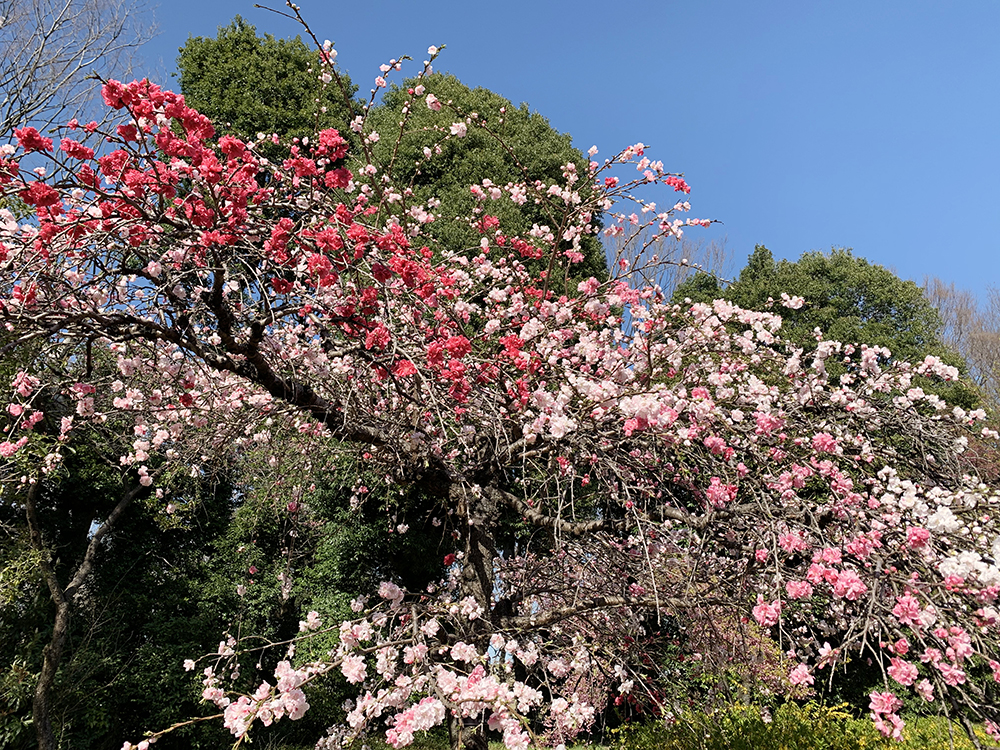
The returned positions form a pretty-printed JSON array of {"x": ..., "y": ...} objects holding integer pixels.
[
  {"x": 934, "y": 733},
  {"x": 790, "y": 727}
]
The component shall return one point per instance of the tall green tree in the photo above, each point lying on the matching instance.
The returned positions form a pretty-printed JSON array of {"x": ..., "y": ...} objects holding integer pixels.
[
  {"x": 516, "y": 144},
  {"x": 249, "y": 84}
]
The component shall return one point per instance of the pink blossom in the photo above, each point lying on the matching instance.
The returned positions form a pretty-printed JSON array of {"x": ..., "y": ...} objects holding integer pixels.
[
  {"x": 993, "y": 730},
  {"x": 792, "y": 543},
  {"x": 849, "y": 585},
  {"x": 718, "y": 494},
  {"x": 995, "y": 666},
  {"x": 931, "y": 655},
  {"x": 907, "y": 610},
  {"x": 404, "y": 368},
  {"x": 798, "y": 589},
  {"x": 917, "y": 537},
  {"x": 8, "y": 449},
  {"x": 824, "y": 442},
  {"x": 952, "y": 674},
  {"x": 354, "y": 668},
  {"x": 830, "y": 555},
  {"x": 890, "y": 725},
  {"x": 926, "y": 690},
  {"x": 390, "y": 591},
  {"x": 767, "y": 615},
  {"x": 414, "y": 654},
  {"x": 31, "y": 140},
  {"x": 827, "y": 655},
  {"x": 312, "y": 622},
  {"x": 462, "y": 651},
  {"x": 793, "y": 303},
  {"x": 884, "y": 703},
  {"x": 295, "y": 704},
  {"x": 24, "y": 384},
  {"x": 800, "y": 675},
  {"x": 116, "y": 94},
  {"x": 902, "y": 671}
]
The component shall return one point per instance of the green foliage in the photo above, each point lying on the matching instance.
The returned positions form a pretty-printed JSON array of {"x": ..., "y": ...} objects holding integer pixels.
[
  {"x": 18, "y": 208},
  {"x": 848, "y": 298},
  {"x": 140, "y": 617},
  {"x": 518, "y": 145},
  {"x": 790, "y": 727},
  {"x": 813, "y": 726},
  {"x": 937, "y": 733},
  {"x": 248, "y": 84}
]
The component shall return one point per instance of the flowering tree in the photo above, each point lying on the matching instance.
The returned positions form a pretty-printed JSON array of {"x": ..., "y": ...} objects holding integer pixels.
[{"x": 669, "y": 463}]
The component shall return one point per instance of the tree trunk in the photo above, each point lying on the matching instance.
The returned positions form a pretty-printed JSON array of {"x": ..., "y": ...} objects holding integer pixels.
[
  {"x": 41, "y": 703},
  {"x": 478, "y": 581},
  {"x": 52, "y": 654},
  {"x": 463, "y": 735}
]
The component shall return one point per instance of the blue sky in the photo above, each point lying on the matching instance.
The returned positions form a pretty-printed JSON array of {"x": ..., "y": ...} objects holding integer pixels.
[{"x": 799, "y": 125}]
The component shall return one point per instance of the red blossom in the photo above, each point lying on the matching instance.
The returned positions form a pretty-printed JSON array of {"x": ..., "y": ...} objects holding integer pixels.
[
  {"x": 337, "y": 178},
  {"x": 116, "y": 95},
  {"x": 76, "y": 150},
  {"x": 40, "y": 195},
  {"x": 31, "y": 140},
  {"x": 331, "y": 145}
]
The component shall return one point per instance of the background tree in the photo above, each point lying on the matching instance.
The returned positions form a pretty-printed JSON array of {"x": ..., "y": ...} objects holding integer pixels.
[
  {"x": 125, "y": 631},
  {"x": 516, "y": 145},
  {"x": 50, "y": 48},
  {"x": 971, "y": 328},
  {"x": 249, "y": 84}
]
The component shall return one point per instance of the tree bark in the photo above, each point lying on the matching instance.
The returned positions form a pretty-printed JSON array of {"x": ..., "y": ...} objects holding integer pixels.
[
  {"x": 478, "y": 512},
  {"x": 52, "y": 654},
  {"x": 42, "y": 701}
]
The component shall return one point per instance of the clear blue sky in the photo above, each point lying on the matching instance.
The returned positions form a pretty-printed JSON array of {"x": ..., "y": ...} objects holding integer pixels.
[{"x": 800, "y": 125}]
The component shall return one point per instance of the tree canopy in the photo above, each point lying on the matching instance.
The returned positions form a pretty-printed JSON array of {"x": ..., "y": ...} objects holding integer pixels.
[
  {"x": 249, "y": 84},
  {"x": 848, "y": 298},
  {"x": 498, "y": 144}
]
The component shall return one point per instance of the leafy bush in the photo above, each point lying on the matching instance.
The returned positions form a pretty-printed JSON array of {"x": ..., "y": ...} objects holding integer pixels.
[
  {"x": 791, "y": 727},
  {"x": 812, "y": 726}
]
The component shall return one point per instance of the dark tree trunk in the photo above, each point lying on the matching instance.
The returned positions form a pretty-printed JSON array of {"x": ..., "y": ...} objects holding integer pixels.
[
  {"x": 463, "y": 735},
  {"x": 479, "y": 515},
  {"x": 42, "y": 702}
]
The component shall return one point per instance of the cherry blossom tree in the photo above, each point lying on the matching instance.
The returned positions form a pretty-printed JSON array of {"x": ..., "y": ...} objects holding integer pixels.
[{"x": 668, "y": 464}]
